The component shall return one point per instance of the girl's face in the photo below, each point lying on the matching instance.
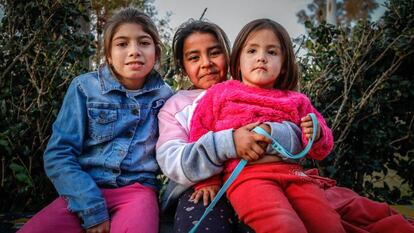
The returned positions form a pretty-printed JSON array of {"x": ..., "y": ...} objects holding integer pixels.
[
  {"x": 132, "y": 55},
  {"x": 261, "y": 59},
  {"x": 203, "y": 59}
]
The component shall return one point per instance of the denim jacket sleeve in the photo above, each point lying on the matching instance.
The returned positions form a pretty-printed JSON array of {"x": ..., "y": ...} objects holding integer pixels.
[{"x": 61, "y": 160}]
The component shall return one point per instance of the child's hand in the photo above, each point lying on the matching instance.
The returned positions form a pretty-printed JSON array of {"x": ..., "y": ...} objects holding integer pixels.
[
  {"x": 101, "y": 228},
  {"x": 208, "y": 192},
  {"x": 307, "y": 128},
  {"x": 250, "y": 145}
]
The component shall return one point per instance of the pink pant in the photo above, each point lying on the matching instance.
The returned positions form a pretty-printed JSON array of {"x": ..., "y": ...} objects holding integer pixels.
[
  {"x": 132, "y": 208},
  {"x": 278, "y": 197}
]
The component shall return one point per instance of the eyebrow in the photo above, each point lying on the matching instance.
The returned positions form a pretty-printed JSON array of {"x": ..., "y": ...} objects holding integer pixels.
[
  {"x": 197, "y": 51},
  {"x": 126, "y": 37},
  {"x": 257, "y": 45}
]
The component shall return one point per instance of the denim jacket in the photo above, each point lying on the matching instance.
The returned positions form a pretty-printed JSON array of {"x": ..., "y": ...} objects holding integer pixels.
[{"x": 104, "y": 137}]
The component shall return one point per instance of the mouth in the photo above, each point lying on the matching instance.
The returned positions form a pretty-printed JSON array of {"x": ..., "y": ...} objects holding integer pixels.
[
  {"x": 260, "y": 68},
  {"x": 135, "y": 65},
  {"x": 210, "y": 74}
]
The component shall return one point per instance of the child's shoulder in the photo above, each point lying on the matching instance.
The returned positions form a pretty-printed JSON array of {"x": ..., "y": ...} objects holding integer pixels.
[
  {"x": 182, "y": 98},
  {"x": 298, "y": 97},
  {"x": 296, "y": 94},
  {"x": 185, "y": 95},
  {"x": 86, "y": 77}
]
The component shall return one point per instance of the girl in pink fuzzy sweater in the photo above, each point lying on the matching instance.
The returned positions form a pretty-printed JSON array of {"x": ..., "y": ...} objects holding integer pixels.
[{"x": 271, "y": 194}]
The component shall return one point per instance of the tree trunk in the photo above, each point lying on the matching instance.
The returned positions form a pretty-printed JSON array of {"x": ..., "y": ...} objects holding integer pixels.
[{"x": 331, "y": 12}]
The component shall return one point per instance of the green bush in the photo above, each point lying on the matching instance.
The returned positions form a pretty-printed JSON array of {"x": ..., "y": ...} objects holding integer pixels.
[
  {"x": 41, "y": 49},
  {"x": 360, "y": 78}
]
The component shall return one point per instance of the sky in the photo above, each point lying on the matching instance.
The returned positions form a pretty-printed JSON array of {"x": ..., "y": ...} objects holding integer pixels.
[{"x": 232, "y": 15}]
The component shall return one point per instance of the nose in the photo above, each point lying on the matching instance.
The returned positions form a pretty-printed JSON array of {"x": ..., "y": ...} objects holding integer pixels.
[
  {"x": 134, "y": 50},
  {"x": 261, "y": 57},
  {"x": 206, "y": 62}
]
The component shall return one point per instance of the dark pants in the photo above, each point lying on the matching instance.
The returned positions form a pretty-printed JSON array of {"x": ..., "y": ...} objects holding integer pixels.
[{"x": 221, "y": 219}]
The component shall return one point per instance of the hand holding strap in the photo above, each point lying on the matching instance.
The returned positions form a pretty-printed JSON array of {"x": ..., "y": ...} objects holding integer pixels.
[{"x": 279, "y": 148}]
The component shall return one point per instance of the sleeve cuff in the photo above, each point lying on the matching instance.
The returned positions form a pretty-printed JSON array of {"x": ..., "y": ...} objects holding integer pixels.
[
  {"x": 214, "y": 180},
  {"x": 94, "y": 216}
]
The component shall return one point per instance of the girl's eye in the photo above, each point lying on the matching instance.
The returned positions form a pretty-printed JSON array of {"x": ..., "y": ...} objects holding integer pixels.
[
  {"x": 251, "y": 50},
  {"x": 193, "y": 58},
  {"x": 215, "y": 52},
  {"x": 272, "y": 52},
  {"x": 122, "y": 44},
  {"x": 145, "y": 43}
]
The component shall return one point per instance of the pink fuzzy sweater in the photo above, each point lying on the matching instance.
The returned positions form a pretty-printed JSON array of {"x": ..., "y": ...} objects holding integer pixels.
[{"x": 232, "y": 104}]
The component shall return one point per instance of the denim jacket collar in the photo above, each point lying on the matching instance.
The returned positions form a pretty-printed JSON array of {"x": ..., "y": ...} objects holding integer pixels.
[{"x": 109, "y": 82}]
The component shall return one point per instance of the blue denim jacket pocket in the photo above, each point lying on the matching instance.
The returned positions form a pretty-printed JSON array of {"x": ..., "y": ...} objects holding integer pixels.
[{"x": 102, "y": 123}]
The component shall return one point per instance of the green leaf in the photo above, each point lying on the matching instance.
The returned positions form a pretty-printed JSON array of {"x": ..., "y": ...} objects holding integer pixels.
[
  {"x": 4, "y": 143},
  {"x": 17, "y": 168},
  {"x": 23, "y": 178}
]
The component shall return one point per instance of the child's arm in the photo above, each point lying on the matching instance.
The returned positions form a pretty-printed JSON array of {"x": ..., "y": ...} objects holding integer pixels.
[
  {"x": 190, "y": 162},
  {"x": 61, "y": 160},
  {"x": 184, "y": 162},
  {"x": 323, "y": 142}
]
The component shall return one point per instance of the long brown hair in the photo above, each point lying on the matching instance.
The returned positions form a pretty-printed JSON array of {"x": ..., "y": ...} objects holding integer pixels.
[
  {"x": 130, "y": 15},
  {"x": 288, "y": 78}
]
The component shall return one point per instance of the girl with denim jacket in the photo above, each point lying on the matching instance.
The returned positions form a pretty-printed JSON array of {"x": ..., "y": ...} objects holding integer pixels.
[{"x": 101, "y": 155}]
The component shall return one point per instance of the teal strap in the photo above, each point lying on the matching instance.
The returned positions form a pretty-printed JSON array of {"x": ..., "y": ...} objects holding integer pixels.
[
  {"x": 220, "y": 193},
  {"x": 243, "y": 163},
  {"x": 285, "y": 153}
]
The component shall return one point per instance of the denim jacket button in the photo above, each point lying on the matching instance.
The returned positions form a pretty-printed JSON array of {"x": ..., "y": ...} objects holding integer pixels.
[
  {"x": 121, "y": 153},
  {"x": 135, "y": 111}
]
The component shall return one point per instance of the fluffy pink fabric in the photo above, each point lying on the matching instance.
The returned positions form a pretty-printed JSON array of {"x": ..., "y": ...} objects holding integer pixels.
[{"x": 232, "y": 104}]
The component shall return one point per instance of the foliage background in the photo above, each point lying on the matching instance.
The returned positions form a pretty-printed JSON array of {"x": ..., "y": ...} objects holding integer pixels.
[
  {"x": 359, "y": 75},
  {"x": 42, "y": 49}
]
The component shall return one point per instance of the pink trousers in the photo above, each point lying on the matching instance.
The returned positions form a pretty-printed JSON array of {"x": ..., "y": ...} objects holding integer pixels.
[{"x": 132, "y": 208}]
